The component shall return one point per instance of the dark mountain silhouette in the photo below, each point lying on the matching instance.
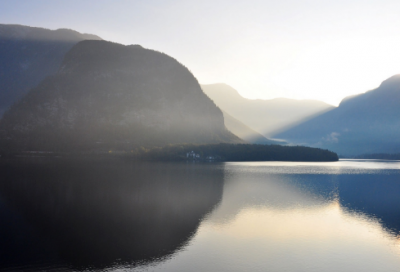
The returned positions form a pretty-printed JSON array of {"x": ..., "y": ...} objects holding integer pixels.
[
  {"x": 265, "y": 116},
  {"x": 244, "y": 132},
  {"x": 362, "y": 124},
  {"x": 110, "y": 96},
  {"x": 28, "y": 55}
]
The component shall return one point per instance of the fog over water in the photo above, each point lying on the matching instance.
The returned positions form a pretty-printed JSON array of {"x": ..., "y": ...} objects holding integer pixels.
[{"x": 276, "y": 216}]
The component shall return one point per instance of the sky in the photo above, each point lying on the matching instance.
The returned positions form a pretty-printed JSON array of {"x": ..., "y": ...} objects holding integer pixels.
[{"x": 302, "y": 49}]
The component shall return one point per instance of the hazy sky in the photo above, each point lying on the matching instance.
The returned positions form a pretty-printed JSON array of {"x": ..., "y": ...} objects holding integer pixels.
[{"x": 311, "y": 49}]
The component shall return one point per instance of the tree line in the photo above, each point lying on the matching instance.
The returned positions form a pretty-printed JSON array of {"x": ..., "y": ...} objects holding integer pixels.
[{"x": 234, "y": 152}]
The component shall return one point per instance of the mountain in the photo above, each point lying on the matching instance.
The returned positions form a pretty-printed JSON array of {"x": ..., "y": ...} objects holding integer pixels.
[
  {"x": 244, "y": 132},
  {"x": 363, "y": 124},
  {"x": 110, "y": 96},
  {"x": 28, "y": 55},
  {"x": 265, "y": 116}
]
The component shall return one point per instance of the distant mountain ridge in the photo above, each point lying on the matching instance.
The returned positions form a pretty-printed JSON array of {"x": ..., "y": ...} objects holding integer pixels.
[
  {"x": 363, "y": 124},
  {"x": 244, "y": 132},
  {"x": 110, "y": 96},
  {"x": 267, "y": 117},
  {"x": 28, "y": 55}
]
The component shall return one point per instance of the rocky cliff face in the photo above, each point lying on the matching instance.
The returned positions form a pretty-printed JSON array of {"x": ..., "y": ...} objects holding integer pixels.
[
  {"x": 28, "y": 55},
  {"x": 111, "y": 96}
]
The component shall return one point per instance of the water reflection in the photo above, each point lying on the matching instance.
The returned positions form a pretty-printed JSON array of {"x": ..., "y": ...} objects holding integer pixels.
[
  {"x": 366, "y": 186},
  {"x": 277, "y": 216},
  {"x": 378, "y": 196},
  {"x": 270, "y": 216},
  {"x": 87, "y": 214}
]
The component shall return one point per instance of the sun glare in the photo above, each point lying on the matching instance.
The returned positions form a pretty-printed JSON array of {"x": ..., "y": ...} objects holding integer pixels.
[{"x": 334, "y": 70}]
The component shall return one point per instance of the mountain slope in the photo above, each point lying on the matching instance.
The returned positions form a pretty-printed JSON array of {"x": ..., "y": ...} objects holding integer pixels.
[
  {"x": 365, "y": 123},
  {"x": 28, "y": 55},
  {"x": 110, "y": 96},
  {"x": 265, "y": 116},
  {"x": 244, "y": 132}
]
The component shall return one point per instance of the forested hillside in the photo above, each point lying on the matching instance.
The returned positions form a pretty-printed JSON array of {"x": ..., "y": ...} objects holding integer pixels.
[{"x": 110, "y": 96}]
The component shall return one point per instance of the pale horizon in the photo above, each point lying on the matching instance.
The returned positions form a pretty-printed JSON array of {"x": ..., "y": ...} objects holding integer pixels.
[{"x": 263, "y": 49}]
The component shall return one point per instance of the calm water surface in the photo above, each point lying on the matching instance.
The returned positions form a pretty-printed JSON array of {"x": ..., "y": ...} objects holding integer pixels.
[{"x": 114, "y": 215}]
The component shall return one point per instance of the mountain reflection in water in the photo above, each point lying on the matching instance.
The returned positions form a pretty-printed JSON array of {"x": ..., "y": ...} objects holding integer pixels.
[
  {"x": 98, "y": 214},
  {"x": 373, "y": 192},
  {"x": 267, "y": 216},
  {"x": 290, "y": 216},
  {"x": 377, "y": 196}
]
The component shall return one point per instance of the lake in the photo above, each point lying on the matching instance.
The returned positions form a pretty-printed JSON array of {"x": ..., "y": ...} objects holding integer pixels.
[{"x": 118, "y": 215}]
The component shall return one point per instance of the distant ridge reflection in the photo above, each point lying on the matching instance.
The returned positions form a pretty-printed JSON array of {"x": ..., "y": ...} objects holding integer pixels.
[
  {"x": 377, "y": 196},
  {"x": 375, "y": 193},
  {"x": 98, "y": 214}
]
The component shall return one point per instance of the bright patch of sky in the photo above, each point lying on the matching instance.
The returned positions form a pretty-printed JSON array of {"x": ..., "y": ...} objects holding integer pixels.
[{"x": 303, "y": 49}]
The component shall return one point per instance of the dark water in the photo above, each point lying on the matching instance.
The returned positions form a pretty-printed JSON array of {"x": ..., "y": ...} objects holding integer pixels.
[{"x": 113, "y": 215}]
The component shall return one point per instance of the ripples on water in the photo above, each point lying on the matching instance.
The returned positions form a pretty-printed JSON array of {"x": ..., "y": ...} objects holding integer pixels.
[{"x": 265, "y": 216}]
